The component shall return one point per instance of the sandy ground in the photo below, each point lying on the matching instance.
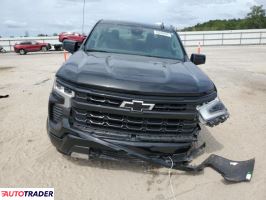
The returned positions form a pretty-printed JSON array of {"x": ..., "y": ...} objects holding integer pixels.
[{"x": 27, "y": 158}]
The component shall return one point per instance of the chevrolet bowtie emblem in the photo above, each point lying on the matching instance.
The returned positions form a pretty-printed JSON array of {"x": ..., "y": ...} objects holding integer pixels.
[{"x": 137, "y": 105}]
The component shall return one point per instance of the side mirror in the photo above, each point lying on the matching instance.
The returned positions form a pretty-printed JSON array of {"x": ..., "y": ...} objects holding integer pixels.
[
  {"x": 70, "y": 46},
  {"x": 198, "y": 59}
]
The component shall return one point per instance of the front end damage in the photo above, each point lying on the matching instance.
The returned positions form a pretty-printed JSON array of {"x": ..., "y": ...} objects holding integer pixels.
[
  {"x": 232, "y": 171},
  {"x": 68, "y": 129},
  {"x": 213, "y": 113}
]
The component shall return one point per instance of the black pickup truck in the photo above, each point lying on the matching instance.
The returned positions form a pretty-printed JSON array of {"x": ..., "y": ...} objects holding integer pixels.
[{"x": 131, "y": 91}]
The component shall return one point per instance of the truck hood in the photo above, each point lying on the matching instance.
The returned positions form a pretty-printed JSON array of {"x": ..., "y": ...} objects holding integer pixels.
[{"x": 135, "y": 74}]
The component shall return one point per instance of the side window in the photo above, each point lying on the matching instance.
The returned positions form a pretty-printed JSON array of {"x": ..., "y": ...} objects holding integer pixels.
[{"x": 25, "y": 43}]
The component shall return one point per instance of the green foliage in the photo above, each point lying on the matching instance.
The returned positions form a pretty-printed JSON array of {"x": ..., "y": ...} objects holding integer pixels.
[
  {"x": 255, "y": 19},
  {"x": 42, "y": 35}
]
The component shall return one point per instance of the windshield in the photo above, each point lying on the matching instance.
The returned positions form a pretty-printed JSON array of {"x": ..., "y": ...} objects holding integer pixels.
[{"x": 134, "y": 40}]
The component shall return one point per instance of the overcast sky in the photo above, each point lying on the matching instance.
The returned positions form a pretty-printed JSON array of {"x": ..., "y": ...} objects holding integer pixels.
[{"x": 54, "y": 16}]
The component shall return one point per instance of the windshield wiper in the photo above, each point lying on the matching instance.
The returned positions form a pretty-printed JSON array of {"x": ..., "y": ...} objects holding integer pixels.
[
  {"x": 95, "y": 50},
  {"x": 176, "y": 59}
]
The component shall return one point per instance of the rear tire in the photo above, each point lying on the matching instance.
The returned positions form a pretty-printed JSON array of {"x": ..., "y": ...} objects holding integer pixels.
[
  {"x": 58, "y": 47},
  {"x": 44, "y": 49},
  {"x": 22, "y": 52}
]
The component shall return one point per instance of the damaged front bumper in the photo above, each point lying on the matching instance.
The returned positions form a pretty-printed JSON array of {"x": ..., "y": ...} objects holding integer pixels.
[
  {"x": 233, "y": 171},
  {"x": 83, "y": 144},
  {"x": 68, "y": 140}
]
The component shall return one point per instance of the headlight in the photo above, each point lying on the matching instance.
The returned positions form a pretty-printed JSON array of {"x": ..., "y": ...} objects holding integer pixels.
[
  {"x": 64, "y": 92},
  {"x": 213, "y": 113}
]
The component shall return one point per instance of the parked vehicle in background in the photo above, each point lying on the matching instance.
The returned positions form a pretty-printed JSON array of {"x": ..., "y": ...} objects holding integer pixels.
[
  {"x": 58, "y": 47},
  {"x": 72, "y": 36},
  {"x": 31, "y": 46},
  {"x": 2, "y": 50}
]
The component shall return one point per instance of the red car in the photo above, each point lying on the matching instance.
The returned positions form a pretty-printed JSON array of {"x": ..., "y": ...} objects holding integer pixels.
[
  {"x": 72, "y": 36},
  {"x": 31, "y": 46}
]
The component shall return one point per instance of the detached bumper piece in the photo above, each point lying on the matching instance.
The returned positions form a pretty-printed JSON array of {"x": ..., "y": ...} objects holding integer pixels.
[{"x": 232, "y": 171}]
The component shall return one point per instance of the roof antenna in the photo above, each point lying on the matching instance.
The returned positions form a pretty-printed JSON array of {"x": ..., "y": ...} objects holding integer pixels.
[{"x": 83, "y": 16}]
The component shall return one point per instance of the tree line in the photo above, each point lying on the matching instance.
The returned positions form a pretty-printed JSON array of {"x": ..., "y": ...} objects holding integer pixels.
[{"x": 255, "y": 19}]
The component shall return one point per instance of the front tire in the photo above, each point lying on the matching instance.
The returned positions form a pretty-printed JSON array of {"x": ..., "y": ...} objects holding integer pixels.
[
  {"x": 22, "y": 52},
  {"x": 44, "y": 49}
]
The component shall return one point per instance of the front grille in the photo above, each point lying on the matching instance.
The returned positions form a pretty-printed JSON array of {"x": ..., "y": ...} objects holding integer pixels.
[
  {"x": 95, "y": 119},
  {"x": 115, "y": 102},
  {"x": 171, "y": 119}
]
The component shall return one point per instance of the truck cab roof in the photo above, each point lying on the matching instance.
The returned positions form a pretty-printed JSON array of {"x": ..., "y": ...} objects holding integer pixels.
[{"x": 160, "y": 26}]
